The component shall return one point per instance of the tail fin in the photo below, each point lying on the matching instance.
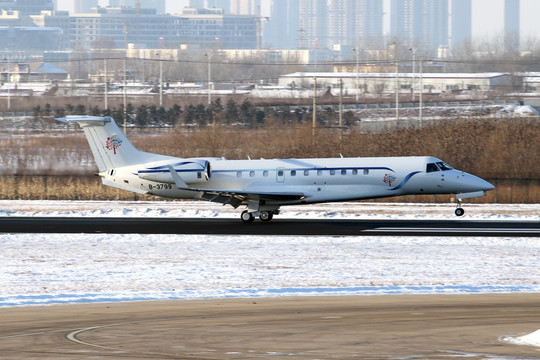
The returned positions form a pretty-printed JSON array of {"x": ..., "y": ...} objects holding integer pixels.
[{"x": 110, "y": 146}]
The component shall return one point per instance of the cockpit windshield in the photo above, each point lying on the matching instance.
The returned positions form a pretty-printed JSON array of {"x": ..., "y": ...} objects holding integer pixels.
[
  {"x": 432, "y": 167},
  {"x": 444, "y": 166}
]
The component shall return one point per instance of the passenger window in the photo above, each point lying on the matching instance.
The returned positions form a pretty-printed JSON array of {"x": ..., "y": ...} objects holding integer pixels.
[
  {"x": 343, "y": 172},
  {"x": 252, "y": 174},
  {"x": 366, "y": 171},
  {"x": 293, "y": 172},
  {"x": 238, "y": 174},
  {"x": 355, "y": 171},
  {"x": 319, "y": 172},
  {"x": 265, "y": 173},
  {"x": 431, "y": 167},
  {"x": 280, "y": 173},
  {"x": 306, "y": 172},
  {"x": 332, "y": 172}
]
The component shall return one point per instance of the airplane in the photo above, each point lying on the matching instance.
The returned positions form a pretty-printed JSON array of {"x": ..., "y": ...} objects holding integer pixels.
[{"x": 264, "y": 186}]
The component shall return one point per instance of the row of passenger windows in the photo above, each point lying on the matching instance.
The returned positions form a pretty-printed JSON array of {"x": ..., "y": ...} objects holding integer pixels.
[{"x": 281, "y": 173}]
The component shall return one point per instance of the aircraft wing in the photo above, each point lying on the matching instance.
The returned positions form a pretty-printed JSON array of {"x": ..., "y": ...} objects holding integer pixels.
[{"x": 235, "y": 197}]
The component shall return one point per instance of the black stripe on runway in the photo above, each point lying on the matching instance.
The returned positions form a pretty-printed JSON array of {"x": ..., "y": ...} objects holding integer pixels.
[{"x": 275, "y": 227}]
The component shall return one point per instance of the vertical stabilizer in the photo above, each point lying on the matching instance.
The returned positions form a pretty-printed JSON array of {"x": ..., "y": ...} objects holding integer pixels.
[{"x": 110, "y": 147}]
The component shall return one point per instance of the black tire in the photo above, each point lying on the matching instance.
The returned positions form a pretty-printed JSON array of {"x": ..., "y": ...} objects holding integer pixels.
[
  {"x": 247, "y": 217},
  {"x": 460, "y": 212},
  {"x": 266, "y": 215}
]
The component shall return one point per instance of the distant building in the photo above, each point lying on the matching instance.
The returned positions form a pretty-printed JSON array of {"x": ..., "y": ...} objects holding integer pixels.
[
  {"x": 420, "y": 21},
  {"x": 211, "y": 28},
  {"x": 245, "y": 7},
  {"x": 27, "y": 7},
  {"x": 19, "y": 38},
  {"x": 38, "y": 71},
  {"x": 158, "y": 5},
  {"x": 379, "y": 83},
  {"x": 461, "y": 24},
  {"x": 282, "y": 29},
  {"x": 84, "y": 6},
  {"x": 209, "y": 4},
  {"x": 368, "y": 22},
  {"x": 511, "y": 24},
  {"x": 313, "y": 32}
]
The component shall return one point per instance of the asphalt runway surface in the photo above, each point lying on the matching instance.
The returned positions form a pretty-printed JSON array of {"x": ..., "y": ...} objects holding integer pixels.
[
  {"x": 275, "y": 227},
  {"x": 348, "y": 327}
]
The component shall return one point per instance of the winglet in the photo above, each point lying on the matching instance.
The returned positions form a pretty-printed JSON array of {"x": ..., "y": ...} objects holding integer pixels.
[{"x": 180, "y": 184}]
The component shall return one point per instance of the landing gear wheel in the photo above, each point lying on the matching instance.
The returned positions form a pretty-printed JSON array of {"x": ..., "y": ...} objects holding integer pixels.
[
  {"x": 266, "y": 215},
  {"x": 460, "y": 211},
  {"x": 247, "y": 217}
]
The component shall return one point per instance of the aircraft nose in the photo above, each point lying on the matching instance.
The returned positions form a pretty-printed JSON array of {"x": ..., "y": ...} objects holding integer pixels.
[
  {"x": 487, "y": 185},
  {"x": 479, "y": 184}
]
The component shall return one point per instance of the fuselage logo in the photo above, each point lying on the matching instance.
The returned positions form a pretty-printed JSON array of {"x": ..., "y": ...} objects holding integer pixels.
[
  {"x": 113, "y": 143},
  {"x": 389, "y": 179}
]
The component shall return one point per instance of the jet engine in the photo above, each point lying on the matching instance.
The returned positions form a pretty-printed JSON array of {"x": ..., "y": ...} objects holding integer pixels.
[{"x": 192, "y": 171}]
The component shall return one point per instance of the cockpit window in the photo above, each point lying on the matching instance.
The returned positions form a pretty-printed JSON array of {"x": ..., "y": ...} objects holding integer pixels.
[
  {"x": 444, "y": 166},
  {"x": 431, "y": 167}
]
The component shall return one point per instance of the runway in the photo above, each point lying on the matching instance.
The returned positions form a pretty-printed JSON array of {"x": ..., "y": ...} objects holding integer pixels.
[
  {"x": 277, "y": 226},
  {"x": 362, "y": 327}
]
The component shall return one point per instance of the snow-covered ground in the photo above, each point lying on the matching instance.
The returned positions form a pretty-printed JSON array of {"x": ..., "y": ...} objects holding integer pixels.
[
  {"x": 38, "y": 269},
  {"x": 355, "y": 210}
]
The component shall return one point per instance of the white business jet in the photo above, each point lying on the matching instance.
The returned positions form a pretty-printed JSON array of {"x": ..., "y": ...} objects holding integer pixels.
[{"x": 263, "y": 186}]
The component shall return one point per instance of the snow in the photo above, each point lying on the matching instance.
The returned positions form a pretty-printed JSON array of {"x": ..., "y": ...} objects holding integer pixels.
[
  {"x": 532, "y": 339},
  {"x": 44, "y": 269},
  {"x": 358, "y": 210}
]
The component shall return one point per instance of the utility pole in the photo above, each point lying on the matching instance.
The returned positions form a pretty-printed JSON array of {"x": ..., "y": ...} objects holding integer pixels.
[
  {"x": 106, "y": 85},
  {"x": 160, "y": 80},
  {"x": 314, "y": 124},
  {"x": 413, "y": 50},
  {"x": 209, "y": 55},
  {"x": 421, "y": 91},
  {"x": 397, "y": 90},
  {"x": 340, "y": 122},
  {"x": 356, "y": 84}
]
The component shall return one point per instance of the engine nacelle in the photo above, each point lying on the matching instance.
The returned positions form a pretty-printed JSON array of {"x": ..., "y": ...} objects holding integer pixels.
[{"x": 192, "y": 171}]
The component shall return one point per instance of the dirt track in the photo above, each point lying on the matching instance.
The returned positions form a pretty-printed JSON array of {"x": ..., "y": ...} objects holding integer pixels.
[{"x": 363, "y": 327}]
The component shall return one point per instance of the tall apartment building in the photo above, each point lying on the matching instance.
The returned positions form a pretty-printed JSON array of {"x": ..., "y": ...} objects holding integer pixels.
[
  {"x": 511, "y": 24},
  {"x": 341, "y": 22},
  {"x": 461, "y": 23},
  {"x": 326, "y": 23},
  {"x": 369, "y": 22},
  {"x": 420, "y": 21},
  {"x": 84, "y": 6},
  {"x": 245, "y": 7},
  {"x": 313, "y": 32},
  {"x": 282, "y": 29}
]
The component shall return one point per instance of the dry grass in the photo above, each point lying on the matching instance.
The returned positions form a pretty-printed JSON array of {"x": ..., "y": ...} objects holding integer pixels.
[
  {"x": 490, "y": 148},
  {"x": 58, "y": 165}
]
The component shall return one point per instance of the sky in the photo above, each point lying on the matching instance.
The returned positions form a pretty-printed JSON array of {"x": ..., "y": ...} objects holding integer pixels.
[{"x": 487, "y": 15}]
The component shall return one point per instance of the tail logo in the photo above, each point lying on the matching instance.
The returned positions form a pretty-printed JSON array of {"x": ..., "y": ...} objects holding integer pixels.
[{"x": 113, "y": 143}]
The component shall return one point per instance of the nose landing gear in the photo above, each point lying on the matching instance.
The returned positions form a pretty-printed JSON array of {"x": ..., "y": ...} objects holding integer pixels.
[{"x": 459, "y": 210}]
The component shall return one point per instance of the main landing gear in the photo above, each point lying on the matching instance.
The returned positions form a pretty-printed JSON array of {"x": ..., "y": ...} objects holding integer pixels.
[{"x": 248, "y": 217}]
